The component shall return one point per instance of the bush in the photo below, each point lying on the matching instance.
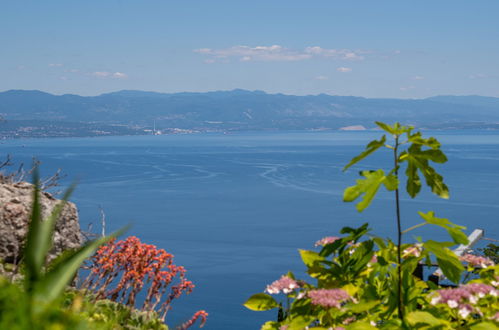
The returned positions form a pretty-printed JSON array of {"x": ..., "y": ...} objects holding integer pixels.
[
  {"x": 119, "y": 271},
  {"x": 366, "y": 282},
  {"x": 43, "y": 300}
]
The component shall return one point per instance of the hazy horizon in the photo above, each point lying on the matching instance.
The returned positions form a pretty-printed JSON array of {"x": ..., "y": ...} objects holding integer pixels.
[
  {"x": 389, "y": 49},
  {"x": 241, "y": 89}
]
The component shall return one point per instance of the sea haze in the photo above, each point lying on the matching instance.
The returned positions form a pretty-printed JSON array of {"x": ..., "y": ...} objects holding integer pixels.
[{"x": 234, "y": 208}]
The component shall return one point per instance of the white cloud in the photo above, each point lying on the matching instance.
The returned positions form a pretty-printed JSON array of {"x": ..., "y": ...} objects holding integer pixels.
[
  {"x": 405, "y": 89},
  {"x": 258, "y": 53},
  {"x": 63, "y": 78},
  {"x": 101, "y": 74},
  {"x": 72, "y": 70},
  {"x": 343, "y": 69},
  {"x": 120, "y": 75},
  {"x": 106, "y": 74},
  {"x": 342, "y": 54},
  {"x": 278, "y": 53},
  {"x": 417, "y": 78},
  {"x": 321, "y": 78},
  {"x": 55, "y": 65}
]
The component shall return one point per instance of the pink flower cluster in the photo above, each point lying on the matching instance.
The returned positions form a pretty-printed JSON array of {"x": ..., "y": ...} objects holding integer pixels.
[
  {"x": 374, "y": 259},
  {"x": 328, "y": 297},
  {"x": 476, "y": 261},
  {"x": 285, "y": 284},
  {"x": 464, "y": 296},
  {"x": 326, "y": 240},
  {"x": 413, "y": 251}
]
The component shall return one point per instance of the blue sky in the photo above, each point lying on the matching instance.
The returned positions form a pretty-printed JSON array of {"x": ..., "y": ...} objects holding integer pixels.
[{"x": 403, "y": 49}]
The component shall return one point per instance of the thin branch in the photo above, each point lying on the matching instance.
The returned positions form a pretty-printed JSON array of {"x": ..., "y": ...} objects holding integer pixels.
[
  {"x": 6, "y": 162},
  {"x": 399, "y": 234},
  {"x": 414, "y": 227},
  {"x": 52, "y": 181}
]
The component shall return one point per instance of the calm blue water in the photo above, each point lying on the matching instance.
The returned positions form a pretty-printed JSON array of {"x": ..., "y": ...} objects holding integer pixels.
[{"x": 235, "y": 208}]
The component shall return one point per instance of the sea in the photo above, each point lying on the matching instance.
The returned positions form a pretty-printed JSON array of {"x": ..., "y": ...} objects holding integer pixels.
[{"x": 235, "y": 208}]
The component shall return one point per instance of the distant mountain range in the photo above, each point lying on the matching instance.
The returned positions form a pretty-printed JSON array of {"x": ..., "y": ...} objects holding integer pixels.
[{"x": 135, "y": 112}]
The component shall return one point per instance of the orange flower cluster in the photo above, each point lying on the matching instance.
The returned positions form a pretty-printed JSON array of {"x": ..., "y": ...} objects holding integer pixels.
[
  {"x": 199, "y": 314},
  {"x": 120, "y": 270}
]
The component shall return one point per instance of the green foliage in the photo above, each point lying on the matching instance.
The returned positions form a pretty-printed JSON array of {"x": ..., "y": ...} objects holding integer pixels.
[
  {"x": 369, "y": 187},
  {"x": 365, "y": 267},
  {"x": 43, "y": 285},
  {"x": 418, "y": 154},
  {"x": 108, "y": 314},
  {"x": 454, "y": 230},
  {"x": 364, "y": 282},
  {"x": 370, "y": 148},
  {"x": 491, "y": 251},
  {"x": 261, "y": 302},
  {"x": 74, "y": 311},
  {"x": 43, "y": 302},
  {"x": 447, "y": 260}
]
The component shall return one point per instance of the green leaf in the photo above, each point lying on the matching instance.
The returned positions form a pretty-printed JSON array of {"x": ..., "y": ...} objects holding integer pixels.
[
  {"x": 431, "y": 219},
  {"x": 417, "y": 138},
  {"x": 436, "y": 156},
  {"x": 362, "y": 306},
  {"x": 361, "y": 325},
  {"x": 300, "y": 322},
  {"x": 270, "y": 325},
  {"x": 391, "y": 182},
  {"x": 39, "y": 237},
  {"x": 51, "y": 285},
  {"x": 452, "y": 269},
  {"x": 370, "y": 148},
  {"x": 455, "y": 231},
  {"x": 261, "y": 302},
  {"x": 310, "y": 257},
  {"x": 33, "y": 259},
  {"x": 446, "y": 259},
  {"x": 367, "y": 187},
  {"x": 385, "y": 127},
  {"x": 484, "y": 326},
  {"x": 422, "y": 317},
  {"x": 413, "y": 185},
  {"x": 458, "y": 236},
  {"x": 395, "y": 129},
  {"x": 418, "y": 160}
]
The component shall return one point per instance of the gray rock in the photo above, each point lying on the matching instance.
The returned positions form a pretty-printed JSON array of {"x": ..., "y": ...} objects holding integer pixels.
[{"x": 15, "y": 209}]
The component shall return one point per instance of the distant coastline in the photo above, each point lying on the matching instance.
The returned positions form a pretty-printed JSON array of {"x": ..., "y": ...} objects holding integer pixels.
[{"x": 32, "y": 114}]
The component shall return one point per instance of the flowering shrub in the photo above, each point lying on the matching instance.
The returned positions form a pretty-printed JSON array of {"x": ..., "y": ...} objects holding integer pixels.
[
  {"x": 326, "y": 240},
  {"x": 41, "y": 299},
  {"x": 366, "y": 282},
  {"x": 285, "y": 284},
  {"x": 355, "y": 289},
  {"x": 120, "y": 270},
  {"x": 477, "y": 261},
  {"x": 328, "y": 298}
]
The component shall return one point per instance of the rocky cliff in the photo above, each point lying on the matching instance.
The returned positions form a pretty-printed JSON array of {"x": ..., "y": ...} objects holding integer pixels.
[{"x": 15, "y": 209}]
